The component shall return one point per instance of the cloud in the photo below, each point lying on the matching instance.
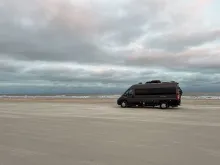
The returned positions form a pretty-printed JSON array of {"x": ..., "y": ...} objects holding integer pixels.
[
  {"x": 70, "y": 75},
  {"x": 59, "y": 32},
  {"x": 194, "y": 59},
  {"x": 183, "y": 40},
  {"x": 94, "y": 44},
  {"x": 126, "y": 23}
]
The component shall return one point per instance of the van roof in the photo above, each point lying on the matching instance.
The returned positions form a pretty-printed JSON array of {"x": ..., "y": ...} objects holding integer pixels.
[{"x": 157, "y": 85}]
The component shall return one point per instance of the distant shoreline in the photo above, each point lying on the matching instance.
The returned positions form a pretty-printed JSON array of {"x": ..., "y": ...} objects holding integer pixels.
[{"x": 103, "y": 94}]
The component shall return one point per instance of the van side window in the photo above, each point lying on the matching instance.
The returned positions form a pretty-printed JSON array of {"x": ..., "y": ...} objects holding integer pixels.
[
  {"x": 155, "y": 91},
  {"x": 130, "y": 92},
  {"x": 141, "y": 92}
]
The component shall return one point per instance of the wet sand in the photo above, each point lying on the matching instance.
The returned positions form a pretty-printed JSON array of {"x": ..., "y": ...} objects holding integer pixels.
[{"x": 98, "y": 132}]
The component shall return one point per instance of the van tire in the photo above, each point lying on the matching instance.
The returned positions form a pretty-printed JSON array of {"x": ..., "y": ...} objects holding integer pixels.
[
  {"x": 163, "y": 105},
  {"x": 124, "y": 104}
]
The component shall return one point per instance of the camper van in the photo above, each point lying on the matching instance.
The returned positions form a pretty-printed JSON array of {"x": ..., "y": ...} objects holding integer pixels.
[{"x": 152, "y": 93}]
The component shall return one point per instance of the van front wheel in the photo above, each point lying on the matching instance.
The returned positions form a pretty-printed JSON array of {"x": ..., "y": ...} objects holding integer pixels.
[{"x": 124, "y": 104}]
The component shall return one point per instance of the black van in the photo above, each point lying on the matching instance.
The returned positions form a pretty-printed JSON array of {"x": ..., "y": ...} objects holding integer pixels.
[{"x": 154, "y": 93}]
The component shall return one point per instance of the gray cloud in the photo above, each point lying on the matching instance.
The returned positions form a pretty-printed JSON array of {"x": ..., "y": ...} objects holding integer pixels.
[
  {"x": 57, "y": 40},
  {"x": 74, "y": 44},
  {"x": 27, "y": 72},
  {"x": 199, "y": 60},
  {"x": 179, "y": 41},
  {"x": 130, "y": 20},
  {"x": 63, "y": 75}
]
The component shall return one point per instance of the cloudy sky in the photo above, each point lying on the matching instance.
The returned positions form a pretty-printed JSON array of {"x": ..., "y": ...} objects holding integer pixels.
[{"x": 98, "y": 45}]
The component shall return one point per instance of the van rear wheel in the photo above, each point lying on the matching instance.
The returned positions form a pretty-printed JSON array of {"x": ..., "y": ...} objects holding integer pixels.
[
  {"x": 163, "y": 105},
  {"x": 124, "y": 104}
]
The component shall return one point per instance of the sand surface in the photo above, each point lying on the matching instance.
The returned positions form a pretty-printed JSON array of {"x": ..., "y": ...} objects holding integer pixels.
[{"x": 98, "y": 132}]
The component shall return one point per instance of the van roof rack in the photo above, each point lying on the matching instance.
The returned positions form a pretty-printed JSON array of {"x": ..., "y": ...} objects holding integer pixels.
[
  {"x": 153, "y": 81},
  {"x": 159, "y": 81},
  {"x": 171, "y": 82}
]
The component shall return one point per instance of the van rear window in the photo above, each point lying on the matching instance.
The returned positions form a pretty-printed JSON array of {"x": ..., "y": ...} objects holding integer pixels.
[{"x": 155, "y": 91}]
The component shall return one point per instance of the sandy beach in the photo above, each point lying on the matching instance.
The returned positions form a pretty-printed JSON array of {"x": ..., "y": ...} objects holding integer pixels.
[
  {"x": 110, "y": 101},
  {"x": 98, "y": 132}
]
